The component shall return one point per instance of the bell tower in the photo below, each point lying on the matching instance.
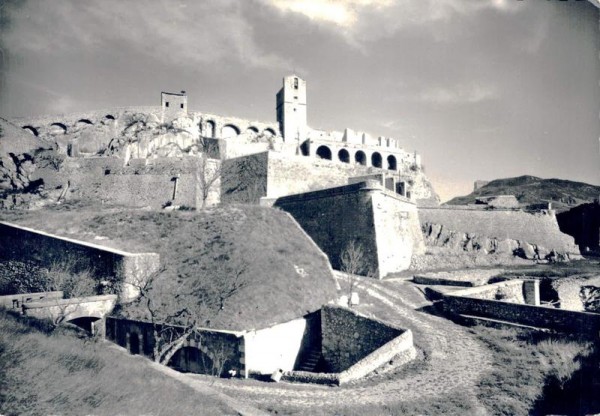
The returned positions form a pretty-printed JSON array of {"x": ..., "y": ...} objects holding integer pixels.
[{"x": 291, "y": 109}]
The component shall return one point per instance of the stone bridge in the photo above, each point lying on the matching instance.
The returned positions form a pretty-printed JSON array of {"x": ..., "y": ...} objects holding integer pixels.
[{"x": 83, "y": 312}]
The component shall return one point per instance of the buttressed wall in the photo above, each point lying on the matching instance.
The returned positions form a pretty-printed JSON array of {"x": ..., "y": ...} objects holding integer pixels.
[{"x": 383, "y": 224}]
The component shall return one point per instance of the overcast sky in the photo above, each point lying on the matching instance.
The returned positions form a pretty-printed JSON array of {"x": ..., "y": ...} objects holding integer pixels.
[{"x": 483, "y": 89}]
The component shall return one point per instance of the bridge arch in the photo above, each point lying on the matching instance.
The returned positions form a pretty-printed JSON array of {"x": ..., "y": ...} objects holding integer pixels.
[
  {"x": 84, "y": 122},
  {"x": 109, "y": 117},
  {"x": 252, "y": 129},
  {"x": 360, "y": 158},
  {"x": 376, "y": 160},
  {"x": 324, "y": 152},
  {"x": 344, "y": 156},
  {"x": 230, "y": 130},
  {"x": 32, "y": 130}
]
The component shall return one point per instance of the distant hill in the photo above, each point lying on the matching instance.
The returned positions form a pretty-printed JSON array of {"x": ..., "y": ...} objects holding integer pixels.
[{"x": 562, "y": 193}]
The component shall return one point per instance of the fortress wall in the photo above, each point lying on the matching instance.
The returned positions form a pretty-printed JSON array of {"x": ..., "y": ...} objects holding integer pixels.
[
  {"x": 326, "y": 215},
  {"x": 397, "y": 232},
  {"x": 538, "y": 228},
  {"x": 296, "y": 174},
  {"x": 349, "y": 337},
  {"x": 385, "y": 226},
  {"x": 244, "y": 179},
  {"x": 139, "y": 184},
  {"x": 104, "y": 263},
  {"x": 537, "y": 316}
]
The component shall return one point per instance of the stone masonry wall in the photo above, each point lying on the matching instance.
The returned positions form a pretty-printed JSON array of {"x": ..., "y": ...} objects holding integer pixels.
[
  {"x": 349, "y": 337},
  {"x": 326, "y": 215},
  {"x": 537, "y": 316},
  {"x": 208, "y": 346},
  {"x": 104, "y": 263},
  {"x": 384, "y": 225},
  {"x": 540, "y": 228}
]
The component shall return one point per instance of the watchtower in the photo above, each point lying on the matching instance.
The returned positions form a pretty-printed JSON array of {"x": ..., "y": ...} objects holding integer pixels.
[
  {"x": 291, "y": 109},
  {"x": 173, "y": 105}
]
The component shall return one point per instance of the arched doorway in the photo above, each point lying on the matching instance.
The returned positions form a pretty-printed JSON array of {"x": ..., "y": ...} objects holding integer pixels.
[
  {"x": 210, "y": 129},
  {"x": 305, "y": 148},
  {"x": 360, "y": 158},
  {"x": 391, "y": 161},
  {"x": 376, "y": 160},
  {"x": 344, "y": 156},
  {"x": 323, "y": 152}
]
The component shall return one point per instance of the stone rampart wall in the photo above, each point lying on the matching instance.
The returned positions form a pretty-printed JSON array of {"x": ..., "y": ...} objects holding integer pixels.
[
  {"x": 349, "y": 337},
  {"x": 537, "y": 316},
  {"x": 104, "y": 263},
  {"x": 244, "y": 179},
  {"x": 326, "y": 215},
  {"x": 538, "y": 228},
  {"x": 384, "y": 225}
]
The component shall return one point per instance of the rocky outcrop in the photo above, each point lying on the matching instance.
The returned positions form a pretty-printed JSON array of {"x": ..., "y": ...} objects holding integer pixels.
[
  {"x": 20, "y": 156},
  {"x": 590, "y": 297}
]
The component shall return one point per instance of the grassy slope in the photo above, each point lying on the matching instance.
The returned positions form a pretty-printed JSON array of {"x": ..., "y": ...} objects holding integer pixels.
[
  {"x": 45, "y": 373},
  {"x": 264, "y": 239},
  {"x": 531, "y": 190}
]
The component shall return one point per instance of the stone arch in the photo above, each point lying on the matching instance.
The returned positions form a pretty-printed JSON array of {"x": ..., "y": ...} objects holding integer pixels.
[
  {"x": 210, "y": 129},
  {"x": 32, "y": 130},
  {"x": 109, "y": 117},
  {"x": 192, "y": 360},
  {"x": 84, "y": 121},
  {"x": 360, "y": 158},
  {"x": 85, "y": 322},
  {"x": 392, "y": 164},
  {"x": 344, "y": 156},
  {"x": 324, "y": 152},
  {"x": 57, "y": 128},
  {"x": 270, "y": 131},
  {"x": 376, "y": 160},
  {"x": 252, "y": 129},
  {"x": 230, "y": 130},
  {"x": 305, "y": 148}
]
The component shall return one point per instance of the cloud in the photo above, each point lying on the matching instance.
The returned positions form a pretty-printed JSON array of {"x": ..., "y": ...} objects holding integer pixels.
[
  {"x": 462, "y": 94},
  {"x": 361, "y": 21},
  {"x": 185, "y": 32}
]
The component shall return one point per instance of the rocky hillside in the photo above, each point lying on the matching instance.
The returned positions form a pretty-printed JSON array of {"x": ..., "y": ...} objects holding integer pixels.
[
  {"x": 20, "y": 155},
  {"x": 563, "y": 194}
]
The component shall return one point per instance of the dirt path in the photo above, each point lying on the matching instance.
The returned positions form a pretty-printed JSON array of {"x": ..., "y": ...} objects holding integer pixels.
[{"x": 452, "y": 360}]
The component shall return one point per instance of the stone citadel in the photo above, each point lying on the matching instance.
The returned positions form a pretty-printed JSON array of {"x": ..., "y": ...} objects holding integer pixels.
[{"x": 170, "y": 157}]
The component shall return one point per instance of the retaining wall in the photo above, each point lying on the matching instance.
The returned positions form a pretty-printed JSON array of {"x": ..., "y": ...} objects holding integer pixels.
[
  {"x": 462, "y": 303},
  {"x": 539, "y": 228},
  {"x": 348, "y": 337},
  {"x": 104, "y": 263},
  {"x": 16, "y": 301}
]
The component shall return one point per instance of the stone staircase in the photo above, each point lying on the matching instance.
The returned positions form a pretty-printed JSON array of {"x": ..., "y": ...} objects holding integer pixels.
[{"x": 310, "y": 361}]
